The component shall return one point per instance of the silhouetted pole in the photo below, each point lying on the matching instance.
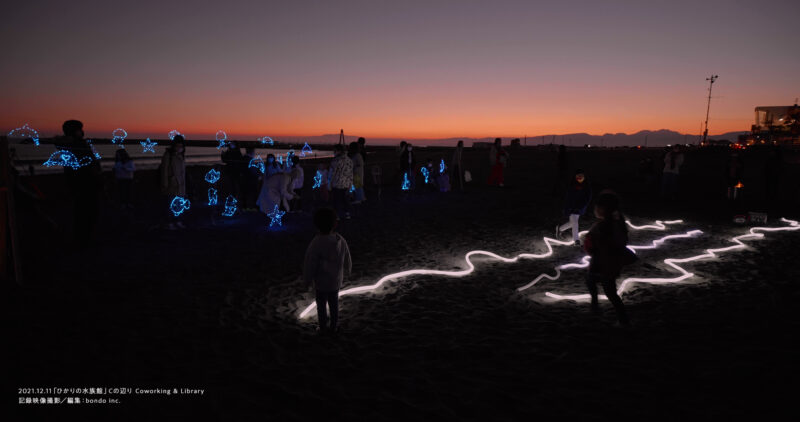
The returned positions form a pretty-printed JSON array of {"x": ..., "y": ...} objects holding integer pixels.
[
  {"x": 711, "y": 80},
  {"x": 341, "y": 137}
]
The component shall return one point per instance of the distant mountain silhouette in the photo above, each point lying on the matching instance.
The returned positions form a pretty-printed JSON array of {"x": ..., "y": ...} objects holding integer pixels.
[{"x": 657, "y": 138}]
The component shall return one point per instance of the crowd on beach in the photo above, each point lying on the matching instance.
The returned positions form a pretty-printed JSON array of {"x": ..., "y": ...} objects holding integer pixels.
[{"x": 273, "y": 185}]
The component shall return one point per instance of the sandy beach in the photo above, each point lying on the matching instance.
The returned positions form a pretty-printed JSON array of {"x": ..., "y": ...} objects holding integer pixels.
[{"x": 216, "y": 307}]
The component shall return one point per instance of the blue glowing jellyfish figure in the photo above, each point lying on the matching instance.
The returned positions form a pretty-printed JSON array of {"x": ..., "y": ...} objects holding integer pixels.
[
  {"x": 172, "y": 134},
  {"x": 306, "y": 150},
  {"x": 257, "y": 162},
  {"x": 275, "y": 217},
  {"x": 212, "y": 196},
  {"x": 317, "y": 180},
  {"x": 94, "y": 150},
  {"x": 441, "y": 166},
  {"x": 178, "y": 205},
  {"x": 149, "y": 146},
  {"x": 230, "y": 206},
  {"x": 222, "y": 137},
  {"x": 425, "y": 173},
  {"x": 118, "y": 136},
  {"x": 266, "y": 140},
  {"x": 212, "y": 176},
  {"x": 67, "y": 159},
  {"x": 25, "y": 132},
  {"x": 406, "y": 183}
]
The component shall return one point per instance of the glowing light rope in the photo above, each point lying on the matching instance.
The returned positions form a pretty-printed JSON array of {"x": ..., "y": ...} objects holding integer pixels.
[
  {"x": 172, "y": 134},
  {"x": 266, "y": 140},
  {"x": 406, "y": 183},
  {"x": 257, "y": 162},
  {"x": 212, "y": 176},
  {"x": 221, "y": 138},
  {"x": 118, "y": 136},
  {"x": 317, "y": 180},
  {"x": 584, "y": 262},
  {"x": 67, "y": 159},
  {"x": 148, "y": 146},
  {"x": 25, "y": 132},
  {"x": 212, "y": 196},
  {"x": 685, "y": 274},
  {"x": 306, "y": 150},
  {"x": 549, "y": 242},
  {"x": 275, "y": 217},
  {"x": 179, "y": 205},
  {"x": 425, "y": 173},
  {"x": 441, "y": 166},
  {"x": 230, "y": 206}
]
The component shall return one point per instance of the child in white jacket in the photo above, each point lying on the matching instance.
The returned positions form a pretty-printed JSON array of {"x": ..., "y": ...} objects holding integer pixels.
[{"x": 327, "y": 259}]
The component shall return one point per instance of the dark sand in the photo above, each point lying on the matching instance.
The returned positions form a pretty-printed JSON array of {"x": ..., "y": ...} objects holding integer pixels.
[{"x": 215, "y": 307}]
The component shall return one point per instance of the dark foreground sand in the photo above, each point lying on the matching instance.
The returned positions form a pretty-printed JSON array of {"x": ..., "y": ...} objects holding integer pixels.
[{"x": 215, "y": 307}]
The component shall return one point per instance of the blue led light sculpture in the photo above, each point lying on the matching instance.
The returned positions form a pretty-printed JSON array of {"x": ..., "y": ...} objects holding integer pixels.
[
  {"x": 94, "y": 150},
  {"x": 212, "y": 196},
  {"x": 178, "y": 205},
  {"x": 148, "y": 146},
  {"x": 212, "y": 176},
  {"x": 425, "y": 173},
  {"x": 275, "y": 216},
  {"x": 406, "y": 183},
  {"x": 257, "y": 162},
  {"x": 118, "y": 136},
  {"x": 67, "y": 159},
  {"x": 266, "y": 140},
  {"x": 25, "y": 132},
  {"x": 172, "y": 134},
  {"x": 441, "y": 166},
  {"x": 221, "y": 138},
  {"x": 230, "y": 206},
  {"x": 306, "y": 150},
  {"x": 317, "y": 180}
]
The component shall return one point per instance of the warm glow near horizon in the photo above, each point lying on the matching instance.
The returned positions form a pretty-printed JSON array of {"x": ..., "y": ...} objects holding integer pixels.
[{"x": 409, "y": 70}]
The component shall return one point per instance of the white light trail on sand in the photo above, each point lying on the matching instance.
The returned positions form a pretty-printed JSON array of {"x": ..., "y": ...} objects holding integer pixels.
[
  {"x": 549, "y": 242},
  {"x": 684, "y": 274},
  {"x": 584, "y": 262}
]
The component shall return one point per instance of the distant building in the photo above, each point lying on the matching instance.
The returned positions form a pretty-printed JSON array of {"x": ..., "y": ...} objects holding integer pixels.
[{"x": 774, "y": 125}]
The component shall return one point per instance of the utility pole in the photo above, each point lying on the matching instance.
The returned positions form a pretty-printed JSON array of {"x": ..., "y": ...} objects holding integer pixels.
[
  {"x": 711, "y": 80},
  {"x": 341, "y": 137}
]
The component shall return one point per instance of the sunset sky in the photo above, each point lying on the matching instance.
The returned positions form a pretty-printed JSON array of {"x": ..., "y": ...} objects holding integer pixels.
[{"x": 403, "y": 69}]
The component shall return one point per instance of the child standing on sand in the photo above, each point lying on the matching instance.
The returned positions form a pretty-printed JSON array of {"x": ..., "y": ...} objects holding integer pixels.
[
  {"x": 578, "y": 197},
  {"x": 606, "y": 244},
  {"x": 327, "y": 259}
]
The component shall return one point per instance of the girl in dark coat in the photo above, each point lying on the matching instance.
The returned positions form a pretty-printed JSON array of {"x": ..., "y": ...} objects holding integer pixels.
[{"x": 578, "y": 197}]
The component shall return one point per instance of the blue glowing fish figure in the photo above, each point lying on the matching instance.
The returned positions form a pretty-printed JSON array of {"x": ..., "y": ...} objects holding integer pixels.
[
  {"x": 221, "y": 138},
  {"x": 67, "y": 159},
  {"x": 172, "y": 134},
  {"x": 178, "y": 205},
  {"x": 266, "y": 140},
  {"x": 275, "y": 217},
  {"x": 425, "y": 173},
  {"x": 119, "y": 136},
  {"x": 212, "y": 196},
  {"x": 148, "y": 146},
  {"x": 258, "y": 162},
  {"x": 212, "y": 176},
  {"x": 406, "y": 183},
  {"x": 317, "y": 180},
  {"x": 441, "y": 166},
  {"x": 306, "y": 150},
  {"x": 25, "y": 132},
  {"x": 230, "y": 206}
]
